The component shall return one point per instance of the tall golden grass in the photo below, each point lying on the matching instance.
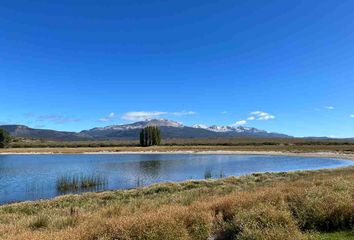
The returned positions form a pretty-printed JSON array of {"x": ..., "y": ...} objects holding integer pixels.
[{"x": 259, "y": 206}]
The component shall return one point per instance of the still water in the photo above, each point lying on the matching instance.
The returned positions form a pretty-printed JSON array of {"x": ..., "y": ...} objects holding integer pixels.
[{"x": 30, "y": 177}]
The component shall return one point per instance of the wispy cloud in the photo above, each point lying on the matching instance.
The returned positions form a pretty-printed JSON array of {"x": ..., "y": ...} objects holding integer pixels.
[
  {"x": 108, "y": 118},
  {"x": 144, "y": 115},
  {"x": 256, "y": 115},
  {"x": 224, "y": 112},
  {"x": 140, "y": 116},
  {"x": 54, "y": 118},
  {"x": 57, "y": 119},
  {"x": 239, "y": 123},
  {"x": 329, "y": 107},
  {"x": 352, "y": 116},
  {"x": 259, "y": 115},
  {"x": 183, "y": 113}
]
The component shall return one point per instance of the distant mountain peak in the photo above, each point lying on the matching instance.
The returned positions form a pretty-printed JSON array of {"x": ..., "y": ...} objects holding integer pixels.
[
  {"x": 163, "y": 123},
  {"x": 201, "y": 126},
  {"x": 141, "y": 124},
  {"x": 169, "y": 129},
  {"x": 226, "y": 129},
  {"x": 216, "y": 128}
]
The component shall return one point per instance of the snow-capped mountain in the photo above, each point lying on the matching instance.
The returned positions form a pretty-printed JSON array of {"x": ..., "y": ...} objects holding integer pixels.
[
  {"x": 169, "y": 129},
  {"x": 202, "y": 126},
  {"x": 216, "y": 128},
  {"x": 221, "y": 129},
  {"x": 141, "y": 124},
  {"x": 172, "y": 129}
]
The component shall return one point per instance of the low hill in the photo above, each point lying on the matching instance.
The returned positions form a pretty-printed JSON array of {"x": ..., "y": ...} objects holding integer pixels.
[{"x": 47, "y": 134}]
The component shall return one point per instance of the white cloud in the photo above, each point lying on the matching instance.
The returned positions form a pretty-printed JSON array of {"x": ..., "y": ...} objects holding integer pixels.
[
  {"x": 259, "y": 115},
  {"x": 352, "y": 116},
  {"x": 224, "y": 112},
  {"x": 108, "y": 118},
  {"x": 183, "y": 113},
  {"x": 238, "y": 123},
  {"x": 141, "y": 116},
  {"x": 329, "y": 107},
  {"x": 57, "y": 119},
  {"x": 256, "y": 115}
]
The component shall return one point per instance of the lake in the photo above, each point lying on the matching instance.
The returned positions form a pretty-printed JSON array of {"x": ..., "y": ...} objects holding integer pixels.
[{"x": 31, "y": 177}]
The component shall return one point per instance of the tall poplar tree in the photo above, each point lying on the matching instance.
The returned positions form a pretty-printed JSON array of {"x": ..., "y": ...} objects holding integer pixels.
[
  {"x": 150, "y": 136},
  {"x": 142, "y": 138}
]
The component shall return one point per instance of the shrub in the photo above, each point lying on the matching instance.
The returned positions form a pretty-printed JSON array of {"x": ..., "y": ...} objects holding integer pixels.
[
  {"x": 39, "y": 222},
  {"x": 322, "y": 208},
  {"x": 264, "y": 222}
]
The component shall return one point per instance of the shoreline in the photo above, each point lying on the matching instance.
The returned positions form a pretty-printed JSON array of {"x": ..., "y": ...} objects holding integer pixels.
[
  {"x": 344, "y": 156},
  {"x": 110, "y": 208}
]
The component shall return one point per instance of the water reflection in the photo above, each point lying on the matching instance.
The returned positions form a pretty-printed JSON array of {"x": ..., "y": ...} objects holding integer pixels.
[
  {"x": 29, "y": 177},
  {"x": 150, "y": 169}
]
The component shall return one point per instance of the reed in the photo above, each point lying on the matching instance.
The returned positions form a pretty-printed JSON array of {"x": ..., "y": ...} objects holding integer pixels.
[
  {"x": 208, "y": 173},
  {"x": 80, "y": 182}
]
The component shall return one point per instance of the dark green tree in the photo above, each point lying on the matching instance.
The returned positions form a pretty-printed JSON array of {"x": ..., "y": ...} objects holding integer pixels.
[
  {"x": 146, "y": 137},
  {"x": 142, "y": 138},
  {"x": 158, "y": 136},
  {"x": 5, "y": 139},
  {"x": 150, "y": 136},
  {"x": 154, "y": 136}
]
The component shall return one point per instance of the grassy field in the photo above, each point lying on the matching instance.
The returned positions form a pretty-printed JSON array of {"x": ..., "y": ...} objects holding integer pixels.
[
  {"x": 336, "y": 235},
  {"x": 263, "y": 148},
  {"x": 231, "y": 144},
  {"x": 296, "y": 205}
]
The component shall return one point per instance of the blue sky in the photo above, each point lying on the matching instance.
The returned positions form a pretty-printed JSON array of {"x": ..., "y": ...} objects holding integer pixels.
[{"x": 284, "y": 66}]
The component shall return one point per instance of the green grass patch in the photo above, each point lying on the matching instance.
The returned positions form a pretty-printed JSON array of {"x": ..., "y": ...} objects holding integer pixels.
[{"x": 335, "y": 236}]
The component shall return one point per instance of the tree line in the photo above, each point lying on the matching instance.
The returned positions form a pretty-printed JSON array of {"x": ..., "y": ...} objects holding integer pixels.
[
  {"x": 5, "y": 139},
  {"x": 150, "y": 136}
]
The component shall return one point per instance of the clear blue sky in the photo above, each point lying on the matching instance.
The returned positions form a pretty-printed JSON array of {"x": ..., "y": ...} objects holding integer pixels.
[{"x": 73, "y": 65}]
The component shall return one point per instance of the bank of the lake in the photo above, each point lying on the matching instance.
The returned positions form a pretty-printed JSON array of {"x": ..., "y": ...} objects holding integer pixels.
[
  {"x": 324, "y": 153},
  {"x": 316, "y": 148},
  {"x": 290, "y": 205}
]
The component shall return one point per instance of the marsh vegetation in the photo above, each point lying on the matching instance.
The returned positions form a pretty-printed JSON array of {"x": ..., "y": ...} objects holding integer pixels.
[
  {"x": 271, "y": 206},
  {"x": 76, "y": 183}
]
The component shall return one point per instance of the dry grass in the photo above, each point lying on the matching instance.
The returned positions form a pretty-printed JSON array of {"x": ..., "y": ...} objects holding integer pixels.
[
  {"x": 227, "y": 144},
  {"x": 262, "y": 148},
  {"x": 259, "y": 206}
]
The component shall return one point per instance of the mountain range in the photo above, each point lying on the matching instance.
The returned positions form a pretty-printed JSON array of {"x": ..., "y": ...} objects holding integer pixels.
[{"x": 169, "y": 129}]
